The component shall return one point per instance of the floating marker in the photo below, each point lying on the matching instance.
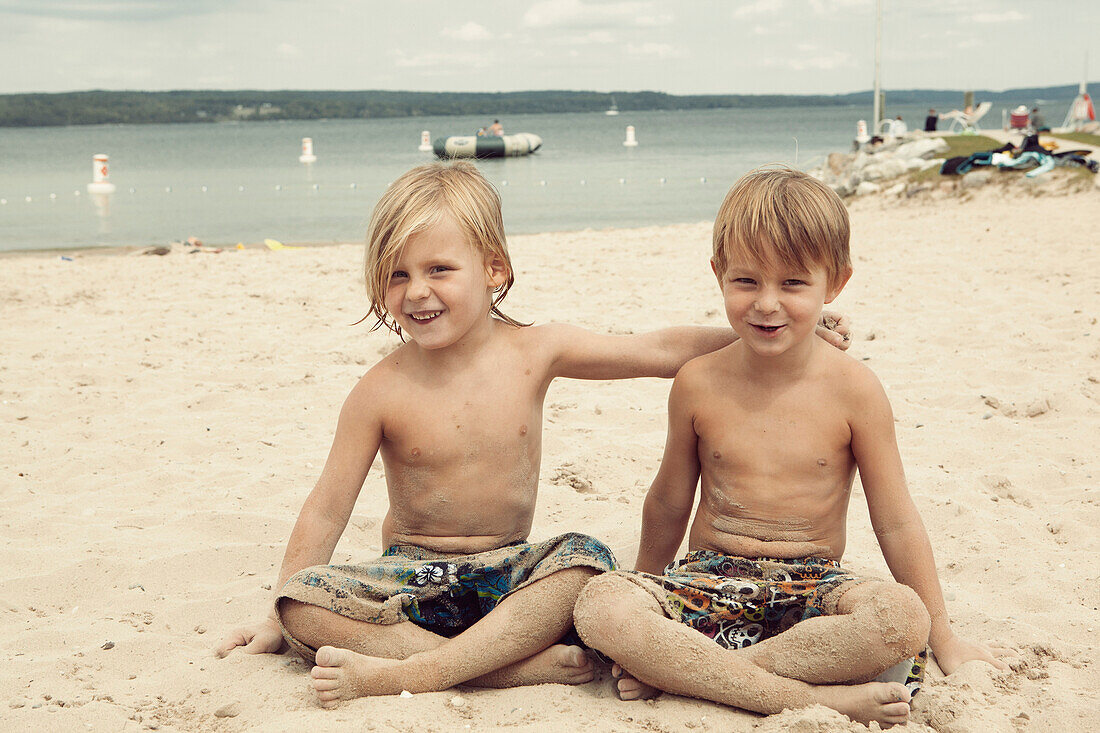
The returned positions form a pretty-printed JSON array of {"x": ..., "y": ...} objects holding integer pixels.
[
  {"x": 584, "y": 182},
  {"x": 278, "y": 187},
  {"x": 622, "y": 181},
  {"x": 133, "y": 190},
  {"x": 354, "y": 185},
  {"x": 703, "y": 179},
  {"x": 425, "y": 142},
  {"x": 240, "y": 189},
  {"x": 28, "y": 199},
  {"x": 315, "y": 186},
  {"x": 3, "y": 202},
  {"x": 630, "y": 141},
  {"x": 542, "y": 183},
  {"x": 861, "y": 132},
  {"x": 662, "y": 180},
  {"x": 203, "y": 189},
  {"x": 307, "y": 155},
  {"x": 168, "y": 189},
  {"x": 53, "y": 197},
  {"x": 99, "y": 183}
]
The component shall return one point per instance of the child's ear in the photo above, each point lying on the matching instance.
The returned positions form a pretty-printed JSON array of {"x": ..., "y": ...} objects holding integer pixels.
[
  {"x": 838, "y": 284},
  {"x": 496, "y": 269},
  {"x": 714, "y": 269}
]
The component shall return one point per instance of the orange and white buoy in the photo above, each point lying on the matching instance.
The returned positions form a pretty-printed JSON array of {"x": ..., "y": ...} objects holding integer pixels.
[
  {"x": 631, "y": 141},
  {"x": 307, "y": 155},
  {"x": 861, "y": 132},
  {"x": 99, "y": 183},
  {"x": 425, "y": 142}
]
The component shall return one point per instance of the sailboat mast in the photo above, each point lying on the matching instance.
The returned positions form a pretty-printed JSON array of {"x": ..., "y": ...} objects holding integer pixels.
[{"x": 877, "y": 113}]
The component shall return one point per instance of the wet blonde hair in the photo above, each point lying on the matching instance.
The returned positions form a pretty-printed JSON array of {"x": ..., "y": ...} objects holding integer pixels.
[
  {"x": 418, "y": 200},
  {"x": 781, "y": 217}
]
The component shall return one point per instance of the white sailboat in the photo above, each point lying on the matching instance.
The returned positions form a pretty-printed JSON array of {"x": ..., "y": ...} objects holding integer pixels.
[{"x": 613, "y": 110}]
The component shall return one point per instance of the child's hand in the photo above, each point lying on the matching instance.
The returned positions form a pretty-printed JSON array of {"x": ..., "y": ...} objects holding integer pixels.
[
  {"x": 955, "y": 652},
  {"x": 836, "y": 329},
  {"x": 263, "y": 638}
]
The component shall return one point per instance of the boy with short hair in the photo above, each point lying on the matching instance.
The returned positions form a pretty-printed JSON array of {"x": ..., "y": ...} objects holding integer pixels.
[
  {"x": 775, "y": 427},
  {"x": 459, "y": 595}
]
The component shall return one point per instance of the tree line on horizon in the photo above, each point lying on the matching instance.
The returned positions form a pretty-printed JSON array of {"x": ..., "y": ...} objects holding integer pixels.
[{"x": 129, "y": 107}]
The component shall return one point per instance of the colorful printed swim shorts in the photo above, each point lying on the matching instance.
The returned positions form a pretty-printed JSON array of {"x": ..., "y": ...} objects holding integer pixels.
[
  {"x": 739, "y": 601},
  {"x": 441, "y": 592}
]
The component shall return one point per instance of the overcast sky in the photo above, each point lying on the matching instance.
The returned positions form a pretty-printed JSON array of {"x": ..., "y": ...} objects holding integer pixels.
[{"x": 681, "y": 47}]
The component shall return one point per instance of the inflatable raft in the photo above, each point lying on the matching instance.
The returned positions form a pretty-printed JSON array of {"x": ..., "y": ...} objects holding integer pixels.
[{"x": 489, "y": 146}]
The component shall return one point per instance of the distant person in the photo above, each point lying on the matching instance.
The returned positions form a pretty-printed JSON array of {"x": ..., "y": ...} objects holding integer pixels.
[
  {"x": 1038, "y": 124},
  {"x": 899, "y": 127},
  {"x": 496, "y": 128},
  {"x": 482, "y": 131},
  {"x": 931, "y": 121}
]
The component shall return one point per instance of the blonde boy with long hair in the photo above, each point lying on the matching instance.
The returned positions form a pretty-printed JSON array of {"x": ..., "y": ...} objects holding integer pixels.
[
  {"x": 456, "y": 412},
  {"x": 759, "y": 614}
]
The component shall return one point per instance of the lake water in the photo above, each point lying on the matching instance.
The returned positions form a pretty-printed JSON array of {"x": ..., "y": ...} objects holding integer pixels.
[{"x": 229, "y": 183}]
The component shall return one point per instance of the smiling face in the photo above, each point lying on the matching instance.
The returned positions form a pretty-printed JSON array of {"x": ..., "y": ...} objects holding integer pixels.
[
  {"x": 441, "y": 288},
  {"x": 775, "y": 308}
]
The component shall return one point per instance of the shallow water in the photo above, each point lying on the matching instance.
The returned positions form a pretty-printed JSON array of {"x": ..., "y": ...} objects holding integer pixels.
[{"x": 256, "y": 188}]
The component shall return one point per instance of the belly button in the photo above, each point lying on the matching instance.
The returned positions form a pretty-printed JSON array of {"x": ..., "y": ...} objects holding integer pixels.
[
  {"x": 821, "y": 462},
  {"x": 415, "y": 453}
]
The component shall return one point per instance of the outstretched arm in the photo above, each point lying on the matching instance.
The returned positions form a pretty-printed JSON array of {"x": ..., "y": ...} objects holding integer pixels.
[
  {"x": 324, "y": 514},
  {"x": 583, "y": 354},
  {"x": 897, "y": 523},
  {"x": 668, "y": 504}
]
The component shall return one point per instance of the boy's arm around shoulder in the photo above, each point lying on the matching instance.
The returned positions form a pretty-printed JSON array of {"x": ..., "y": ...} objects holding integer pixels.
[
  {"x": 326, "y": 510},
  {"x": 582, "y": 354},
  {"x": 668, "y": 503},
  {"x": 897, "y": 524}
]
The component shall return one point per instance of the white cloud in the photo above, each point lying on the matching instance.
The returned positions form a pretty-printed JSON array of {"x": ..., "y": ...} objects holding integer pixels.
[
  {"x": 1009, "y": 16},
  {"x": 469, "y": 31},
  {"x": 577, "y": 13},
  {"x": 760, "y": 7},
  {"x": 813, "y": 59},
  {"x": 654, "y": 50},
  {"x": 441, "y": 61}
]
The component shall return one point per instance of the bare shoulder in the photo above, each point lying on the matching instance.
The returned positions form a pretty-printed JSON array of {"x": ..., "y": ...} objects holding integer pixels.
[
  {"x": 701, "y": 376},
  {"x": 851, "y": 379},
  {"x": 375, "y": 388}
]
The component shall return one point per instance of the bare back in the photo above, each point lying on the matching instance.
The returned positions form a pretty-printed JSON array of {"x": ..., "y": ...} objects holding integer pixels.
[{"x": 775, "y": 459}]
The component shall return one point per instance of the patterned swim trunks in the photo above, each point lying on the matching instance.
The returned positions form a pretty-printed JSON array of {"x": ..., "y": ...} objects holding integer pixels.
[
  {"x": 442, "y": 592},
  {"x": 739, "y": 601}
]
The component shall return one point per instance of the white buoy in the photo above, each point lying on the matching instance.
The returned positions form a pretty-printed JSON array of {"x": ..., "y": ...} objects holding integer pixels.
[
  {"x": 99, "y": 183},
  {"x": 630, "y": 141},
  {"x": 425, "y": 142},
  {"x": 307, "y": 155},
  {"x": 861, "y": 132}
]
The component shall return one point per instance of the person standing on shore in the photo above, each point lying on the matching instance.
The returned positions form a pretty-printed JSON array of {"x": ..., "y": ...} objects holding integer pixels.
[
  {"x": 931, "y": 121},
  {"x": 496, "y": 128}
]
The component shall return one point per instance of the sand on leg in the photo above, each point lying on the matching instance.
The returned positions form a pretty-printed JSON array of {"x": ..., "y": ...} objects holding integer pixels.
[
  {"x": 514, "y": 644},
  {"x": 623, "y": 621},
  {"x": 877, "y": 625}
]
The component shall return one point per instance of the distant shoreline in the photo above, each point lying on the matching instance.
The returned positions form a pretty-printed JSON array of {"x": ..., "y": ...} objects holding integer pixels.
[{"x": 195, "y": 106}]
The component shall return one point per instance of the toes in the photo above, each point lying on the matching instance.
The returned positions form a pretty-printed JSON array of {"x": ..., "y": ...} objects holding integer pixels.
[
  {"x": 893, "y": 692},
  {"x": 323, "y": 685},
  {"x": 329, "y": 656},
  {"x": 321, "y": 673},
  {"x": 574, "y": 656},
  {"x": 616, "y": 670}
]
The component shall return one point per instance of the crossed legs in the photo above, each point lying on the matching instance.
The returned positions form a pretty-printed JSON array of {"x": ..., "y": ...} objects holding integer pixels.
[
  {"x": 515, "y": 644},
  {"x": 877, "y": 625}
]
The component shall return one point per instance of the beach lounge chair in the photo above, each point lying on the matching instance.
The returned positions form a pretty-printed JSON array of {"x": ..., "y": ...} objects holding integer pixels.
[{"x": 966, "y": 124}]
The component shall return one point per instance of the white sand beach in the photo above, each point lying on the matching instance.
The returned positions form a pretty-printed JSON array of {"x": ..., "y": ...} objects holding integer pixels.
[{"x": 162, "y": 419}]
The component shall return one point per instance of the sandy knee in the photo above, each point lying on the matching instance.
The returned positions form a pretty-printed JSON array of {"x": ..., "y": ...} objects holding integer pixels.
[
  {"x": 605, "y": 606},
  {"x": 898, "y": 613}
]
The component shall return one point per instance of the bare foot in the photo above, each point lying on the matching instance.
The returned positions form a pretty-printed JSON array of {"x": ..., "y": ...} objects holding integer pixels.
[
  {"x": 341, "y": 674},
  {"x": 885, "y": 702},
  {"x": 560, "y": 664},
  {"x": 631, "y": 688}
]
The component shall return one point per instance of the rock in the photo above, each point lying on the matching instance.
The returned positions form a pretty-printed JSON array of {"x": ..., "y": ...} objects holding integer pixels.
[
  {"x": 976, "y": 179},
  {"x": 229, "y": 710},
  {"x": 922, "y": 148},
  {"x": 896, "y": 190},
  {"x": 1038, "y": 407},
  {"x": 457, "y": 701},
  {"x": 867, "y": 187},
  {"x": 889, "y": 167},
  {"x": 837, "y": 163}
]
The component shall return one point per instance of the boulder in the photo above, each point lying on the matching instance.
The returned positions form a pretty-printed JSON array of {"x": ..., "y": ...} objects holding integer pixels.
[
  {"x": 923, "y": 148},
  {"x": 867, "y": 187}
]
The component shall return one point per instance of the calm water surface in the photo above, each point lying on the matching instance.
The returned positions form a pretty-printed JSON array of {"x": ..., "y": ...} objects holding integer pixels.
[{"x": 256, "y": 188}]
